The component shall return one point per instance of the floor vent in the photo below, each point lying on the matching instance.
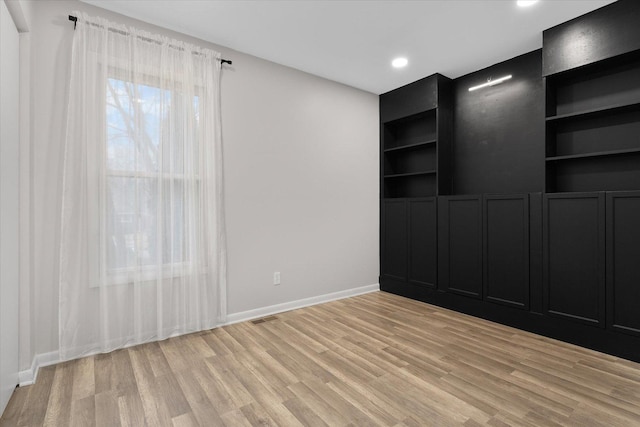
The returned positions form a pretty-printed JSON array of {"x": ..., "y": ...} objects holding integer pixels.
[{"x": 264, "y": 319}]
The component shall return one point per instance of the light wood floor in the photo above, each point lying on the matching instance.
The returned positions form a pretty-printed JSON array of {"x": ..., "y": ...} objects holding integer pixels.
[{"x": 375, "y": 359}]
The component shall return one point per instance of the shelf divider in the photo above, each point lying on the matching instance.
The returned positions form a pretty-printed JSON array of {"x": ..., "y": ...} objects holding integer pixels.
[
  {"x": 410, "y": 146},
  {"x": 400, "y": 175},
  {"x": 595, "y": 111},
  {"x": 594, "y": 154}
]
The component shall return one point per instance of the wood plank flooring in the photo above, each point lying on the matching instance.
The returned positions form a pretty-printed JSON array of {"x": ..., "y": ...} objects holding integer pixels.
[{"x": 374, "y": 360}]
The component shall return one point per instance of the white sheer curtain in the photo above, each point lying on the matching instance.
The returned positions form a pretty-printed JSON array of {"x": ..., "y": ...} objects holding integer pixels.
[{"x": 143, "y": 252}]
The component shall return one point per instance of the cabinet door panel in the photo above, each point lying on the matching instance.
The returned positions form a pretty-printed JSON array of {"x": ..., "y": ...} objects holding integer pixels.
[
  {"x": 623, "y": 261},
  {"x": 574, "y": 256},
  {"x": 423, "y": 244},
  {"x": 462, "y": 248},
  {"x": 506, "y": 239},
  {"x": 394, "y": 240}
]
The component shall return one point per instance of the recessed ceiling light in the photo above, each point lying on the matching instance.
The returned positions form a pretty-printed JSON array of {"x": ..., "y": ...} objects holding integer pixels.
[
  {"x": 399, "y": 62},
  {"x": 525, "y": 3}
]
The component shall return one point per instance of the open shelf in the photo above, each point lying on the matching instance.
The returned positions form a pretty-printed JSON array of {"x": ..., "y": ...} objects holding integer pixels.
[
  {"x": 611, "y": 109},
  {"x": 410, "y": 131},
  {"x": 400, "y": 175},
  {"x": 608, "y": 173},
  {"x": 420, "y": 184},
  {"x": 593, "y": 127},
  {"x": 595, "y": 154},
  {"x": 411, "y": 146},
  {"x": 419, "y": 159},
  {"x": 415, "y": 139}
]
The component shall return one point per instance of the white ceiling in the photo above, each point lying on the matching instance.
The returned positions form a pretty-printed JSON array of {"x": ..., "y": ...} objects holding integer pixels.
[{"x": 353, "y": 42}]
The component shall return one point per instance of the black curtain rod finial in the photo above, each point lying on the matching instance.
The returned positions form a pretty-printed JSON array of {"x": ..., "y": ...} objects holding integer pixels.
[{"x": 75, "y": 22}]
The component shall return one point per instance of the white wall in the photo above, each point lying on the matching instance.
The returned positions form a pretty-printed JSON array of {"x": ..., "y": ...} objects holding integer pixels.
[
  {"x": 301, "y": 164},
  {"x": 9, "y": 204},
  {"x": 301, "y": 170}
]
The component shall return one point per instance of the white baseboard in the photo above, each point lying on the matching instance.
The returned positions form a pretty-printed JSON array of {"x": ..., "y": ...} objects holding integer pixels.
[
  {"x": 292, "y": 305},
  {"x": 28, "y": 376}
]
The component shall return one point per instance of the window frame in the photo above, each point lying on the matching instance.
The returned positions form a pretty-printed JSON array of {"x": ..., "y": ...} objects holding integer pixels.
[{"x": 107, "y": 276}]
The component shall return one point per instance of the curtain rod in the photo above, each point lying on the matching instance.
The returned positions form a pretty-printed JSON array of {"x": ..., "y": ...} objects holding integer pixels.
[{"x": 75, "y": 22}]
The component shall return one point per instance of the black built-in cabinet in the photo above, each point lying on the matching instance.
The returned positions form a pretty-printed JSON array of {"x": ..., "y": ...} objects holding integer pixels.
[
  {"x": 562, "y": 261},
  {"x": 394, "y": 239},
  {"x": 623, "y": 262},
  {"x": 506, "y": 249},
  {"x": 566, "y": 265},
  {"x": 423, "y": 242},
  {"x": 409, "y": 241},
  {"x": 574, "y": 261},
  {"x": 460, "y": 228}
]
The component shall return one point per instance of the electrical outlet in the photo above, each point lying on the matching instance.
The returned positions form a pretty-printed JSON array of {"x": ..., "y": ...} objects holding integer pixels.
[{"x": 276, "y": 278}]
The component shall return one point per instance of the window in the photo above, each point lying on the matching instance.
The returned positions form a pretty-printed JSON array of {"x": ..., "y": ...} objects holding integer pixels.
[{"x": 145, "y": 201}]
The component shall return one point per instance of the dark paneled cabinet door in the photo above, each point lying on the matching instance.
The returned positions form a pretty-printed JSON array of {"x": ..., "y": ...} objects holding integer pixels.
[
  {"x": 423, "y": 244},
  {"x": 460, "y": 250},
  {"x": 623, "y": 261},
  {"x": 394, "y": 239},
  {"x": 574, "y": 256},
  {"x": 506, "y": 250}
]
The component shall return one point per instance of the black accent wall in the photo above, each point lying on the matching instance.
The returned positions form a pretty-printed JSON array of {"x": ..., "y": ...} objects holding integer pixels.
[
  {"x": 498, "y": 142},
  {"x": 520, "y": 203}
]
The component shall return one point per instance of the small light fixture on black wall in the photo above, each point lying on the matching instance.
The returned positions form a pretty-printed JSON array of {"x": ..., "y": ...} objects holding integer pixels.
[{"x": 490, "y": 82}]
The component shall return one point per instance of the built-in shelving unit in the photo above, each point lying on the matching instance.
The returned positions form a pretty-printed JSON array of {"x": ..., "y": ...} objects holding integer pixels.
[
  {"x": 415, "y": 167},
  {"x": 561, "y": 262},
  {"x": 415, "y": 139},
  {"x": 410, "y": 155},
  {"x": 593, "y": 127}
]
